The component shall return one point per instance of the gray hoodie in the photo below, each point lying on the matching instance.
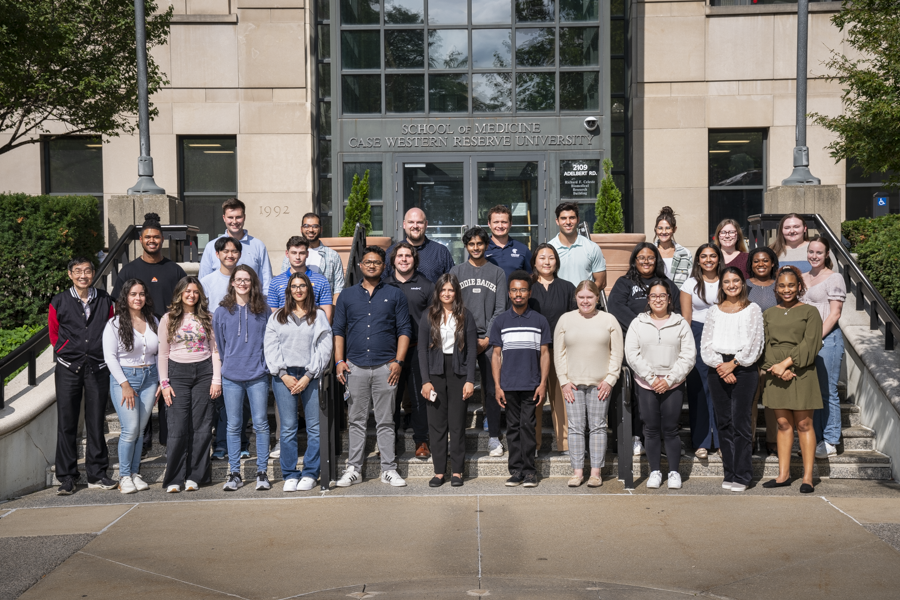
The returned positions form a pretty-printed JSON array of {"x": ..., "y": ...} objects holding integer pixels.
[
  {"x": 668, "y": 351},
  {"x": 298, "y": 344},
  {"x": 484, "y": 292}
]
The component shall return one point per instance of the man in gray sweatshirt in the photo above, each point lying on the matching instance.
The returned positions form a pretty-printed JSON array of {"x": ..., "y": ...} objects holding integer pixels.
[{"x": 484, "y": 294}]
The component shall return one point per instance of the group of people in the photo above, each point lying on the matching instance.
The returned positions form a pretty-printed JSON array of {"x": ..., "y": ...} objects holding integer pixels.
[{"x": 717, "y": 327}]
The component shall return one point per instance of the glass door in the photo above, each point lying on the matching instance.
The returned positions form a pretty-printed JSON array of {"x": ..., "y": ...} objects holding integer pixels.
[{"x": 518, "y": 186}]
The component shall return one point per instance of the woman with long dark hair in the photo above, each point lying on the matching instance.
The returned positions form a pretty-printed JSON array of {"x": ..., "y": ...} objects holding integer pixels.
[
  {"x": 240, "y": 326},
  {"x": 698, "y": 293},
  {"x": 448, "y": 348},
  {"x": 298, "y": 345},
  {"x": 190, "y": 377},
  {"x": 130, "y": 346}
]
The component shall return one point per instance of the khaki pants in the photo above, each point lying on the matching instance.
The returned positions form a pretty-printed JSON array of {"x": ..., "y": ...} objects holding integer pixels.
[
  {"x": 557, "y": 411},
  {"x": 771, "y": 421}
]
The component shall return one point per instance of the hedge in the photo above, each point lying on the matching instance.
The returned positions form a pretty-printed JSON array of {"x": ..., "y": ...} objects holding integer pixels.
[
  {"x": 877, "y": 244},
  {"x": 38, "y": 237},
  {"x": 10, "y": 339}
]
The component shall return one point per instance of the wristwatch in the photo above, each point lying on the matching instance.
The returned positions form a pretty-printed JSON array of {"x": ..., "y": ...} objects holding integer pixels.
[
  {"x": 736, "y": 363},
  {"x": 399, "y": 362}
]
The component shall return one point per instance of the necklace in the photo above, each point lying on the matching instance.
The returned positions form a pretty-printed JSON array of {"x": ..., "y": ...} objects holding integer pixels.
[{"x": 787, "y": 310}]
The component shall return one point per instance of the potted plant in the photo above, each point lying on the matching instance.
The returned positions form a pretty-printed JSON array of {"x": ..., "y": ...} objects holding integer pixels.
[
  {"x": 609, "y": 228},
  {"x": 358, "y": 210}
]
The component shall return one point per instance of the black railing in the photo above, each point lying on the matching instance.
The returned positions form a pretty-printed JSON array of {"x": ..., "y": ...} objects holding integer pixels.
[
  {"x": 622, "y": 427},
  {"x": 182, "y": 245},
  {"x": 583, "y": 231},
  {"x": 856, "y": 281}
]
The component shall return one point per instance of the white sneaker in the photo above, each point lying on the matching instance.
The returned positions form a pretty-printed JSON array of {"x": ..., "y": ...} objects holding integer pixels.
[
  {"x": 393, "y": 477},
  {"x": 350, "y": 477},
  {"x": 738, "y": 487},
  {"x": 495, "y": 447},
  {"x": 638, "y": 447},
  {"x": 726, "y": 485},
  {"x": 824, "y": 450},
  {"x": 290, "y": 485},
  {"x": 306, "y": 484},
  {"x": 276, "y": 451},
  {"x": 126, "y": 486},
  {"x": 173, "y": 489},
  {"x": 139, "y": 482},
  {"x": 191, "y": 486},
  {"x": 654, "y": 481},
  {"x": 675, "y": 480},
  {"x": 233, "y": 484},
  {"x": 536, "y": 452}
]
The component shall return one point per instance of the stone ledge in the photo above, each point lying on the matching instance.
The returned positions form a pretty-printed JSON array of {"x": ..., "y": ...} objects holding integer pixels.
[
  {"x": 869, "y": 345},
  {"x": 770, "y": 9},
  {"x": 203, "y": 19},
  {"x": 24, "y": 403}
]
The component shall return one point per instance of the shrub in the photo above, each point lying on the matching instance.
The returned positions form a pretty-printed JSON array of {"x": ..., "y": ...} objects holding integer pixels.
[
  {"x": 38, "y": 237},
  {"x": 877, "y": 243},
  {"x": 10, "y": 339},
  {"x": 358, "y": 208},
  {"x": 608, "y": 210},
  {"x": 860, "y": 230}
]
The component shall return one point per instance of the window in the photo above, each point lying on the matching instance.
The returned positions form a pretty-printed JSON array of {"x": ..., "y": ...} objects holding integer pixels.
[
  {"x": 358, "y": 11},
  {"x": 208, "y": 176},
  {"x": 73, "y": 166},
  {"x": 737, "y": 175},
  {"x": 861, "y": 193},
  {"x": 375, "y": 194},
  {"x": 620, "y": 141},
  {"x": 752, "y": 2}
]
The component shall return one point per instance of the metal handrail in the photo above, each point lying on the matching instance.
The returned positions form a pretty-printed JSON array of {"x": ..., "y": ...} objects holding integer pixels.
[
  {"x": 624, "y": 435},
  {"x": 583, "y": 231},
  {"x": 28, "y": 352},
  {"x": 855, "y": 280}
]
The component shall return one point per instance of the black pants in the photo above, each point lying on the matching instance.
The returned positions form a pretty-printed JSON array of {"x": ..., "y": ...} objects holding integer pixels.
[
  {"x": 163, "y": 426},
  {"x": 190, "y": 423},
  {"x": 660, "y": 413},
  {"x": 520, "y": 433},
  {"x": 447, "y": 414},
  {"x": 70, "y": 387},
  {"x": 411, "y": 383},
  {"x": 733, "y": 404},
  {"x": 491, "y": 408}
]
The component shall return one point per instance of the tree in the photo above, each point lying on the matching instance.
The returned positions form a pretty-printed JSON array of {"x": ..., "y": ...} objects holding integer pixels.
[
  {"x": 358, "y": 208},
  {"x": 869, "y": 129},
  {"x": 608, "y": 210},
  {"x": 72, "y": 62}
]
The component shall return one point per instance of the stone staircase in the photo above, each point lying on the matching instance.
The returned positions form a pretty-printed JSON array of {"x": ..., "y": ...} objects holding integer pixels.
[{"x": 856, "y": 459}]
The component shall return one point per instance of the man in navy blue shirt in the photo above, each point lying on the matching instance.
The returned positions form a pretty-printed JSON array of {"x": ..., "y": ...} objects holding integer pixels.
[
  {"x": 508, "y": 254},
  {"x": 520, "y": 367},
  {"x": 371, "y": 336},
  {"x": 434, "y": 258}
]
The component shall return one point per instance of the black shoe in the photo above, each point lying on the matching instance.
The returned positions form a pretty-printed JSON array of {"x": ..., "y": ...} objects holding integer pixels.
[
  {"x": 103, "y": 484},
  {"x": 436, "y": 481},
  {"x": 805, "y": 488},
  {"x": 456, "y": 481},
  {"x": 530, "y": 480},
  {"x": 516, "y": 479},
  {"x": 145, "y": 451},
  {"x": 66, "y": 488},
  {"x": 773, "y": 483}
]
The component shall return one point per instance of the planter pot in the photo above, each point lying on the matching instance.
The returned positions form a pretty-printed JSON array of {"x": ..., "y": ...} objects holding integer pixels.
[
  {"x": 617, "y": 249},
  {"x": 342, "y": 245}
]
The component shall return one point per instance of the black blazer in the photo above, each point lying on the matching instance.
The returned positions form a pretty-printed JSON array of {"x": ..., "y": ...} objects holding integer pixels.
[{"x": 431, "y": 360}]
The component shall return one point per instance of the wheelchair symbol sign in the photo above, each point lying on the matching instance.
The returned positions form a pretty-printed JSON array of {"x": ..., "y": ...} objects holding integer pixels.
[{"x": 882, "y": 202}]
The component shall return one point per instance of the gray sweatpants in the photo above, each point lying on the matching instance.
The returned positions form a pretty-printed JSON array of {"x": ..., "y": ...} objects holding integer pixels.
[
  {"x": 587, "y": 412},
  {"x": 368, "y": 386}
]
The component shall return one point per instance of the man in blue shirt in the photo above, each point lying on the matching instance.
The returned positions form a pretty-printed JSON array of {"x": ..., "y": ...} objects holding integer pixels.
[
  {"x": 434, "y": 258},
  {"x": 508, "y": 254},
  {"x": 254, "y": 253},
  {"x": 216, "y": 284},
  {"x": 521, "y": 365},
  {"x": 297, "y": 252},
  {"x": 371, "y": 336}
]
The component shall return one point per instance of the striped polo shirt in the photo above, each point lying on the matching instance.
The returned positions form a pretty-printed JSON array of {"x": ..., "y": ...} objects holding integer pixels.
[{"x": 519, "y": 338}]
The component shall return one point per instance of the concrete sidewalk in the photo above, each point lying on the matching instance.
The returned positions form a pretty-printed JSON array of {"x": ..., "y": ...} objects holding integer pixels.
[{"x": 409, "y": 543}]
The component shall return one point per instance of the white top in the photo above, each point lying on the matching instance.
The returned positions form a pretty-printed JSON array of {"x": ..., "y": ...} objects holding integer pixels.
[
  {"x": 740, "y": 334},
  {"x": 699, "y": 308},
  {"x": 448, "y": 334},
  {"x": 146, "y": 347},
  {"x": 669, "y": 272}
]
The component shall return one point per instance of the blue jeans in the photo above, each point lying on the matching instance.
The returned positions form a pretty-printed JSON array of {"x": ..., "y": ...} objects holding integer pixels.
[
  {"x": 827, "y": 420},
  {"x": 221, "y": 419},
  {"x": 144, "y": 381},
  {"x": 257, "y": 391},
  {"x": 286, "y": 404}
]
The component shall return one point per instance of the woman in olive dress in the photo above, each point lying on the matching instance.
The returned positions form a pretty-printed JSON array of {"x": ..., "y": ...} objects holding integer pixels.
[{"x": 793, "y": 340}]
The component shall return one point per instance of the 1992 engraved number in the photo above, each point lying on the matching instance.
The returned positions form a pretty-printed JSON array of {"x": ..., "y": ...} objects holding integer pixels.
[{"x": 278, "y": 211}]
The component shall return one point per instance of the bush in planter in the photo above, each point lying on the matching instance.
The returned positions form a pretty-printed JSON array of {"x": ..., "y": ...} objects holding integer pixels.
[
  {"x": 608, "y": 209},
  {"x": 38, "y": 237},
  {"x": 358, "y": 208},
  {"x": 877, "y": 244}
]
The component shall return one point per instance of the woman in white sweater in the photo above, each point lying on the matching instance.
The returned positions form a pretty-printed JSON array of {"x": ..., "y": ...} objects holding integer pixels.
[
  {"x": 130, "y": 347},
  {"x": 661, "y": 351},
  {"x": 587, "y": 352},
  {"x": 732, "y": 342}
]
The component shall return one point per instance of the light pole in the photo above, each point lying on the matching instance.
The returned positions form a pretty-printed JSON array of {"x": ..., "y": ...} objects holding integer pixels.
[
  {"x": 801, "y": 174},
  {"x": 145, "y": 183}
]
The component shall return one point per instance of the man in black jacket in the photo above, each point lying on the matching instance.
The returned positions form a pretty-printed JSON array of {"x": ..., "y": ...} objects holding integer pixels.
[{"x": 77, "y": 319}]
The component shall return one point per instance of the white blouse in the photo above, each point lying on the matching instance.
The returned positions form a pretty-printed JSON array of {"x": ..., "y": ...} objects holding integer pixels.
[
  {"x": 698, "y": 306},
  {"x": 448, "y": 334},
  {"x": 144, "y": 351},
  {"x": 740, "y": 334}
]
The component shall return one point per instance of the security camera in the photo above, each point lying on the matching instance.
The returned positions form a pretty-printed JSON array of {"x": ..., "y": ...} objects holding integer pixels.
[{"x": 591, "y": 123}]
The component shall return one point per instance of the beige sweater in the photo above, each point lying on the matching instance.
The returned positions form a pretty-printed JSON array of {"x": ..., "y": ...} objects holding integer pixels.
[{"x": 588, "y": 351}]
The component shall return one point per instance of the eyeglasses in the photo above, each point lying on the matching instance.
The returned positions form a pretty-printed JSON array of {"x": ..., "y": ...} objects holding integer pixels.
[
  {"x": 307, "y": 226},
  {"x": 372, "y": 263},
  {"x": 80, "y": 272},
  {"x": 658, "y": 296},
  {"x": 645, "y": 260},
  {"x": 728, "y": 234},
  {"x": 242, "y": 282},
  {"x": 298, "y": 287}
]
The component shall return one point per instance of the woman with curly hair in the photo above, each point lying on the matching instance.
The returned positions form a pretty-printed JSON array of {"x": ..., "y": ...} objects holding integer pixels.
[{"x": 190, "y": 377}]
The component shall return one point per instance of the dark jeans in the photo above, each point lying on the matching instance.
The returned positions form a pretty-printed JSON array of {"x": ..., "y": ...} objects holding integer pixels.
[
  {"x": 491, "y": 408},
  {"x": 70, "y": 386},
  {"x": 733, "y": 404},
  {"x": 411, "y": 383},
  {"x": 447, "y": 414},
  {"x": 190, "y": 423},
  {"x": 163, "y": 426},
  {"x": 704, "y": 433},
  {"x": 661, "y": 413},
  {"x": 520, "y": 433}
]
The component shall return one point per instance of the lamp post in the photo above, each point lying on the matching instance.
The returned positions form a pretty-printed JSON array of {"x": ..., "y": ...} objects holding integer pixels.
[
  {"x": 145, "y": 183},
  {"x": 801, "y": 174}
]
